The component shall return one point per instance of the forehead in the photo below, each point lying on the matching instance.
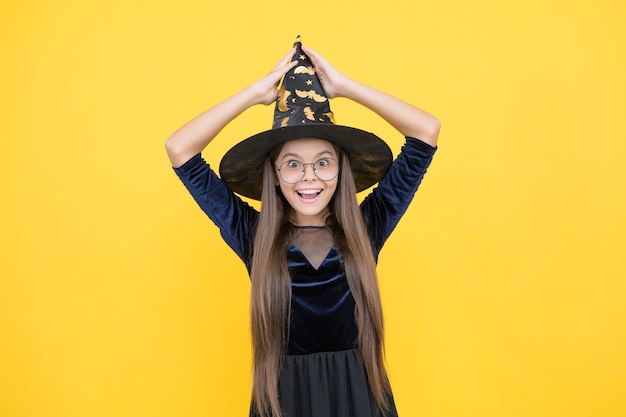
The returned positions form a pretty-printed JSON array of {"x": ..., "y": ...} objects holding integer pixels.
[{"x": 307, "y": 147}]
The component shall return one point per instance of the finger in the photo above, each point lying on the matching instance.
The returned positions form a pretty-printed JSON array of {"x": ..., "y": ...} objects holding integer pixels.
[
  {"x": 311, "y": 53},
  {"x": 285, "y": 60},
  {"x": 283, "y": 69}
]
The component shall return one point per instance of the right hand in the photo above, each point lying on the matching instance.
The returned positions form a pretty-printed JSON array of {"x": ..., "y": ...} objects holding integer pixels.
[{"x": 266, "y": 88}]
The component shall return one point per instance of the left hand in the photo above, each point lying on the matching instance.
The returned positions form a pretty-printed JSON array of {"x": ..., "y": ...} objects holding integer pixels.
[{"x": 332, "y": 80}]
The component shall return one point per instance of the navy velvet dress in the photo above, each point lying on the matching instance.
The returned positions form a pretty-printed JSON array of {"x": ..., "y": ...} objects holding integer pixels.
[{"x": 323, "y": 373}]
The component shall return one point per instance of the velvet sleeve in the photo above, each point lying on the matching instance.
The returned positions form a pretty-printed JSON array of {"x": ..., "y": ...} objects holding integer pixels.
[
  {"x": 385, "y": 205},
  {"x": 235, "y": 218}
]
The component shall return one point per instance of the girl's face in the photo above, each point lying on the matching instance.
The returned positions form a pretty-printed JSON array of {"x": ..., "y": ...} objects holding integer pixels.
[{"x": 307, "y": 194}]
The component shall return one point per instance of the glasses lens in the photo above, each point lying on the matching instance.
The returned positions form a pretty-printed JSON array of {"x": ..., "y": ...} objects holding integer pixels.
[
  {"x": 326, "y": 169},
  {"x": 291, "y": 171}
]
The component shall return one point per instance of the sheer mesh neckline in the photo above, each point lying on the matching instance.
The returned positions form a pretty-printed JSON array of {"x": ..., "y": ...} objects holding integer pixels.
[{"x": 314, "y": 242}]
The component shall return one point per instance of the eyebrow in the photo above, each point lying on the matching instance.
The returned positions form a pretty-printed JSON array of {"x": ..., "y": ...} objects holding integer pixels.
[{"x": 293, "y": 155}]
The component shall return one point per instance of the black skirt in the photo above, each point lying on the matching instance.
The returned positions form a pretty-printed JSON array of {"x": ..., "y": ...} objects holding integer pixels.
[{"x": 328, "y": 384}]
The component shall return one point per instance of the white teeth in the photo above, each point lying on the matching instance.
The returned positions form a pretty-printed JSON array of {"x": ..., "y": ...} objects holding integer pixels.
[{"x": 309, "y": 192}]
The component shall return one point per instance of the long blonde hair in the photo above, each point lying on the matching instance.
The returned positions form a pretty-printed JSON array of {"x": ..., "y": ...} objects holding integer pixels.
[{"x": 271, "y": 286}]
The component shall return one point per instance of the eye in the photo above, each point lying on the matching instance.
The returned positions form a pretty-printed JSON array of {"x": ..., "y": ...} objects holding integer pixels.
[
  {"x": 293, "y": 164},
  {"x": 322, "y": 163}
]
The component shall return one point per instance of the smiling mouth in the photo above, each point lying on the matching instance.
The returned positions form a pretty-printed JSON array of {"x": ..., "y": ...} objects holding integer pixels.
[{"x": 308, "y": 194}]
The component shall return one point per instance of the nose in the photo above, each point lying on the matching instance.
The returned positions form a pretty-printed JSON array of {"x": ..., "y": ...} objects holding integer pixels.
[{"x": 309, "y": 174}]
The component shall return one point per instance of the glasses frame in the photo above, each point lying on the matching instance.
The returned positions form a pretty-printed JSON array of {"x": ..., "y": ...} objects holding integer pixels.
[{"x": 304, "y": 170}]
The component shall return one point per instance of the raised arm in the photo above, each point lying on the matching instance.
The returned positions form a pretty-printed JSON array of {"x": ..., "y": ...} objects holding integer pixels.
[
  {"x": 194, "y": 136},
  {"x": 404, "y": 117}
]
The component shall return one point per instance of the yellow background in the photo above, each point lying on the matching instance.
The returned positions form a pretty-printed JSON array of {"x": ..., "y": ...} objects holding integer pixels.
[{"x": 504, "y": 285}]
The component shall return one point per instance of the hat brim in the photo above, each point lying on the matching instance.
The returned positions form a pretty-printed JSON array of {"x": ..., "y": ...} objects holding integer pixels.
[{"x": 241, "y": 167}]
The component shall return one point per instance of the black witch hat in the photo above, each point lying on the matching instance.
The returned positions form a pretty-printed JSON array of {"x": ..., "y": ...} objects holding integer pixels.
[{"x": 303, "y": 111}]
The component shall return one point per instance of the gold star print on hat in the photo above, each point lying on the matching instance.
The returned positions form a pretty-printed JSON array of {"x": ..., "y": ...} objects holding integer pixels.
[{"x": 301, "y": 97}]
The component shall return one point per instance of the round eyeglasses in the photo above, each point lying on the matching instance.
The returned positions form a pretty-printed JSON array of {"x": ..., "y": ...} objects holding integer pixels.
[{"x": 292, "y": 171}]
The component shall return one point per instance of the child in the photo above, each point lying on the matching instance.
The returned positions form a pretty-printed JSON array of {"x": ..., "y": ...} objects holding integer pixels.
[{"x": 317, "y": 326}]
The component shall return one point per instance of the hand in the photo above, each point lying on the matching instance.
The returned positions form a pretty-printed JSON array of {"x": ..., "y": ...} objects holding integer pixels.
[
  {"x": 266, "y": 89},
  {"x": 332, "y": 80}
]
